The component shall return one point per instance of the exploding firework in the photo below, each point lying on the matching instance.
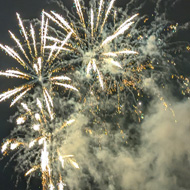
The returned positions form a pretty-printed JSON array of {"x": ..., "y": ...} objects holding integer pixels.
[
  {"x": 116, "y": 61},
  {"x": 39, "y": 65},
  {"x": 113, "y": 47},
  {"x": 44, "y": 146},
  {"x": 92, "y": 40}
]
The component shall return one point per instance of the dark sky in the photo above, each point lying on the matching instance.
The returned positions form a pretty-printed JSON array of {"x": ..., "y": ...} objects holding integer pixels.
[{"x": 32, "y": 9}]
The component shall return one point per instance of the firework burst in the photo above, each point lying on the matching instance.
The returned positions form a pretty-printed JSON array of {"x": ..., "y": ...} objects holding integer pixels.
[
  {"x": 121, "y": 62},
  {"x": 93, "y": 43},
  {"x": 39, "y": 65},
  {"x": 43, "y": 148}
]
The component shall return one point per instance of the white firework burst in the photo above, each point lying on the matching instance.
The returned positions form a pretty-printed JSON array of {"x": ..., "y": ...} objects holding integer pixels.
[
  {"x": 43, "y": 146},
  {"x": 92, "y": 42},
  {"x": 38, "y": 63}
]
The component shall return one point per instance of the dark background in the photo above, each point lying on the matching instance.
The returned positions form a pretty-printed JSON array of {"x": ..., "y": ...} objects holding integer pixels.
[{"x": 32, "y": 9}]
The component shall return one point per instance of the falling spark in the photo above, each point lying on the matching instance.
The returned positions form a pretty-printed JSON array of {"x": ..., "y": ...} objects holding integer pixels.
[
  {"x": 74, "y": 164},
  {"x": 44, "y": 157},
  {"x": 37, "y": 116},
  {"x": 31, "y": 170},
  {"x": 4, "y": 147},
  {"x": 20, "y": 120},
  {"x": 62, "y": 161},
  {"x": 61, "y": 185},
  {"x": 14, "y": 146},
  {"x": 36, "y": 127},
  {"x": 19, "y": 96},
  {"x": 66, "y": 85},
  {"x": 51, "y": 186},
  {"x": 107, "y": 13},
  {"x": 32, "y": 143},
  {"x": 115, "y": 35}
]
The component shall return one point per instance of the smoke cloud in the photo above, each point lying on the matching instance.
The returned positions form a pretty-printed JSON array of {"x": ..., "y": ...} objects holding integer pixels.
[{"x": 161, "y": 161}]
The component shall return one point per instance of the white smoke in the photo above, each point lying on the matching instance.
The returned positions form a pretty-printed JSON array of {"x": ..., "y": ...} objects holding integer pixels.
[{"x": 161, "y": 162}]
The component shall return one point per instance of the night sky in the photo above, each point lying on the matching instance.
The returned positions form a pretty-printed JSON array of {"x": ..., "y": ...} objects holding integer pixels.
[{"x": 30, "y": 9}]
